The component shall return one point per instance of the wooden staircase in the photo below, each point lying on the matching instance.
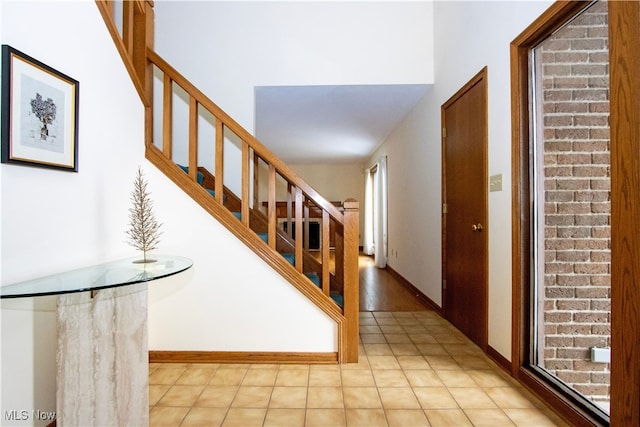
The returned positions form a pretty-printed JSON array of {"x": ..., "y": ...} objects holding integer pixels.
[{"x": 250, "y": 212}]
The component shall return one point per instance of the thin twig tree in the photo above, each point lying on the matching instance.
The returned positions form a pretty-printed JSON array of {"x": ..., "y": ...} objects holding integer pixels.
[{"x": 144, "y": 230}]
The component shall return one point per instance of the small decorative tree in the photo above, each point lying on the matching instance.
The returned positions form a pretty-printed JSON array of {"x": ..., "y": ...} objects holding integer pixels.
[{"x": 144, "y": 231}]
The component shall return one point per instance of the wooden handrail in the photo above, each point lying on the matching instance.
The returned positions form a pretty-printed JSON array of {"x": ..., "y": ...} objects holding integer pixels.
[
  {"x": 242, "y": 133},
  {"x": 135, "y": 46}
]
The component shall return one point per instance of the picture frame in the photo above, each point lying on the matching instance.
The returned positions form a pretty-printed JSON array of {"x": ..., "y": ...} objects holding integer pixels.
[{"x": 39, "y": 113}]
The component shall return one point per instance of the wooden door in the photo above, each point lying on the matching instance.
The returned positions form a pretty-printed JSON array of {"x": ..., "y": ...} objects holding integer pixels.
[{"x": 464, "y": 148}]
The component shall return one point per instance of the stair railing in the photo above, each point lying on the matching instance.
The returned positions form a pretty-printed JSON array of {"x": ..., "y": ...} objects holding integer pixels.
[{"x": 261, "y": 172}]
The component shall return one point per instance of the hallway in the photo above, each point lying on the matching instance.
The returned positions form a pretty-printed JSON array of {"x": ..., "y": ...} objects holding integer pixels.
[{"x": 415, "y": 369}]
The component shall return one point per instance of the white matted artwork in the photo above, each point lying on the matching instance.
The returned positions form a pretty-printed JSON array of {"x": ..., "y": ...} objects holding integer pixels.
[{"x": 39, "y": 113}]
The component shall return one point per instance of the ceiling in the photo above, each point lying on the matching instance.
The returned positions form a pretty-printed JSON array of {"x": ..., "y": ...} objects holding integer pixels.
[{"x": 331, "y": 124}]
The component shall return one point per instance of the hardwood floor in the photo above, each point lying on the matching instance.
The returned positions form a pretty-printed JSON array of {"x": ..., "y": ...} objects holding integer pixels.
[{"x": 381, "y": 291}]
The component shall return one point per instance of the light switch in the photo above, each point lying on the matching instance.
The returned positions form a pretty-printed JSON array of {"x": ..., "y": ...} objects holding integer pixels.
[{"x": 495, "y": 182}]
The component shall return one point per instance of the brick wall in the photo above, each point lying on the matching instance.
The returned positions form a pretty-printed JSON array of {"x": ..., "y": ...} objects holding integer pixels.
[{"x": 576, "y": 312}]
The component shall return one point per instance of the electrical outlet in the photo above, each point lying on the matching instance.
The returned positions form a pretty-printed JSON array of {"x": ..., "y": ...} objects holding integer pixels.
[
  {"x": 600, "y": 355},
  {"x": 495, "y": 182}
]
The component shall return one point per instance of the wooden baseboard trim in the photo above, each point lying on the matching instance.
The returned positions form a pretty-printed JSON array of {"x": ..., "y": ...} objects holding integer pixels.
[
  {"x": 499, "y": 359},
  {"x": 425, "y": 300},
  {"x": 241, "y": 357}
]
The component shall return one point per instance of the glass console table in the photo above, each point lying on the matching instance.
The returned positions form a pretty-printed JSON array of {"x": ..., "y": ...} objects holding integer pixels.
[
  {"x": 103, "y": 276},
  {"x": 102, "y": 355}
]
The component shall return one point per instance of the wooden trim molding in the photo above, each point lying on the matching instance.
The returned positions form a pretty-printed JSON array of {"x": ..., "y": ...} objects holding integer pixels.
[
  {"x": 241, "y": 357},
  {"x": 624, "y": 60},
  {"x": 425, "y": 300},
  {"x": 500, "y": 360}
]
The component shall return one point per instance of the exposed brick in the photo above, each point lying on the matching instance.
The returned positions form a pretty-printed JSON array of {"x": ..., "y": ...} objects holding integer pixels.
[
  {"x": 573, "y": 304},
  {"x": 574, "y": 377},
  {"x": 591, "y": 268},
  {"x": 591, "y": 341},
  {"x": 573, "y": 329},
  {"x": 555, "y": 364},
  {"x": 577, "y": 201},
  {"x": 591, "y": 317}
]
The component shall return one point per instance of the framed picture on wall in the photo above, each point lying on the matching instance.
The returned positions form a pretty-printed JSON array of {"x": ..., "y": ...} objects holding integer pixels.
[{"x": 39, "y": 113}]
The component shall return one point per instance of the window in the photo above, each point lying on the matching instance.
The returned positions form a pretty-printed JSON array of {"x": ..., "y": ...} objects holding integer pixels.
[{"x": 563, "y": 257}]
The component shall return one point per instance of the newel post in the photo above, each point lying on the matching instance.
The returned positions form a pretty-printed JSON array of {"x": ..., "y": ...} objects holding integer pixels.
[{"x": 351, "y": 280}]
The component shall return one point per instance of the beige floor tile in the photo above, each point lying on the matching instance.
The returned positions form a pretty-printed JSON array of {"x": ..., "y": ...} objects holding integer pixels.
[
  {"x": 430, "y": 349},
  {"x": 205, "y": 417},
  {"x": 422, "y": 338},
  {"x": 325, "y": 397},
  {"x": 414, "y": 369},
  {"x": 366, "y": 418},
  {"x": 228, "y": 376},
  {"x": 402, "y": 338},
  {"x": 414, "y": 328},
  {"x": 357, "y": 378},
  {"x": 181, "y": 395},
  {"x": 472, "y": 362},
  {"x": 252, "y": 397},
  {"x": 369, "y": 329},
  {"x": 423, "y": 378},
  {"x": 406, "y": 418},
  {"x": 383, "y": 362},
  {"x": 398, "y": 398},
  {"x": 361, "y": 397},
  {"x": 277, "y": 417},
  {"x": 405, "y": 349},
  {"x": 288, "y": 397},
  {"x": 378, "y": 349},
  {"x": 167, "y": 416},
  {"x": 488, "y": 417},
  {"x": 363, "y": 363},
  {"x": 388, "y": 321},
  {"x": 488, "y": 378},
  {"x": 217, "y": 396},
  {"x": 435, "y": 398},
  {"x": 456, "y": 378},
  {"x": 156, "y": 391},
  {"x": 413, "y": 362},
  {"x": 509, "y": 397},
  {"x": 447, "y": 417},
  {"x": 372, "y": 338},
  {"x": 392, "y": 329},
  {"x": 244, "y": 417},
  {"x": 164, "y": 375},
  {"x": 325, "y": 418},
  {"x": 260, "y": 377},
  {"x": 472, "y": 398},
  {"x": 442, "y": 363},
  {"x": 292, "y": 378},
  {"x": 296, "y": 366},
  {"x": 390, "y": 378},
  {"x": 325, "y": 378},
  {"x": 528, "y": 417},
  {"x": 196, "y": 376}
]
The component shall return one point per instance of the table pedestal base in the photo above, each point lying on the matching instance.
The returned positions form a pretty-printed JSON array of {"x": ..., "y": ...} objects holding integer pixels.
[{"x": 103, "y": 365}]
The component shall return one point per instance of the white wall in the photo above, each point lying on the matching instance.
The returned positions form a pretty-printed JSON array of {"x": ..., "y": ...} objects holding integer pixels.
[
  {"x": 228, "y": 48},
  {"x": 53, "y": 221},
  {"x": 336, "y": 182},
  {"x": 468, "y": 36}
]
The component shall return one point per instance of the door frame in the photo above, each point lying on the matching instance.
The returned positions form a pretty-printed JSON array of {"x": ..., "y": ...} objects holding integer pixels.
[{"x": 480, "y": 77}]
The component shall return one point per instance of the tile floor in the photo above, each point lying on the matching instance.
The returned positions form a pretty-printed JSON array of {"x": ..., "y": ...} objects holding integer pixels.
[{"x": 415, "y": 369}]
